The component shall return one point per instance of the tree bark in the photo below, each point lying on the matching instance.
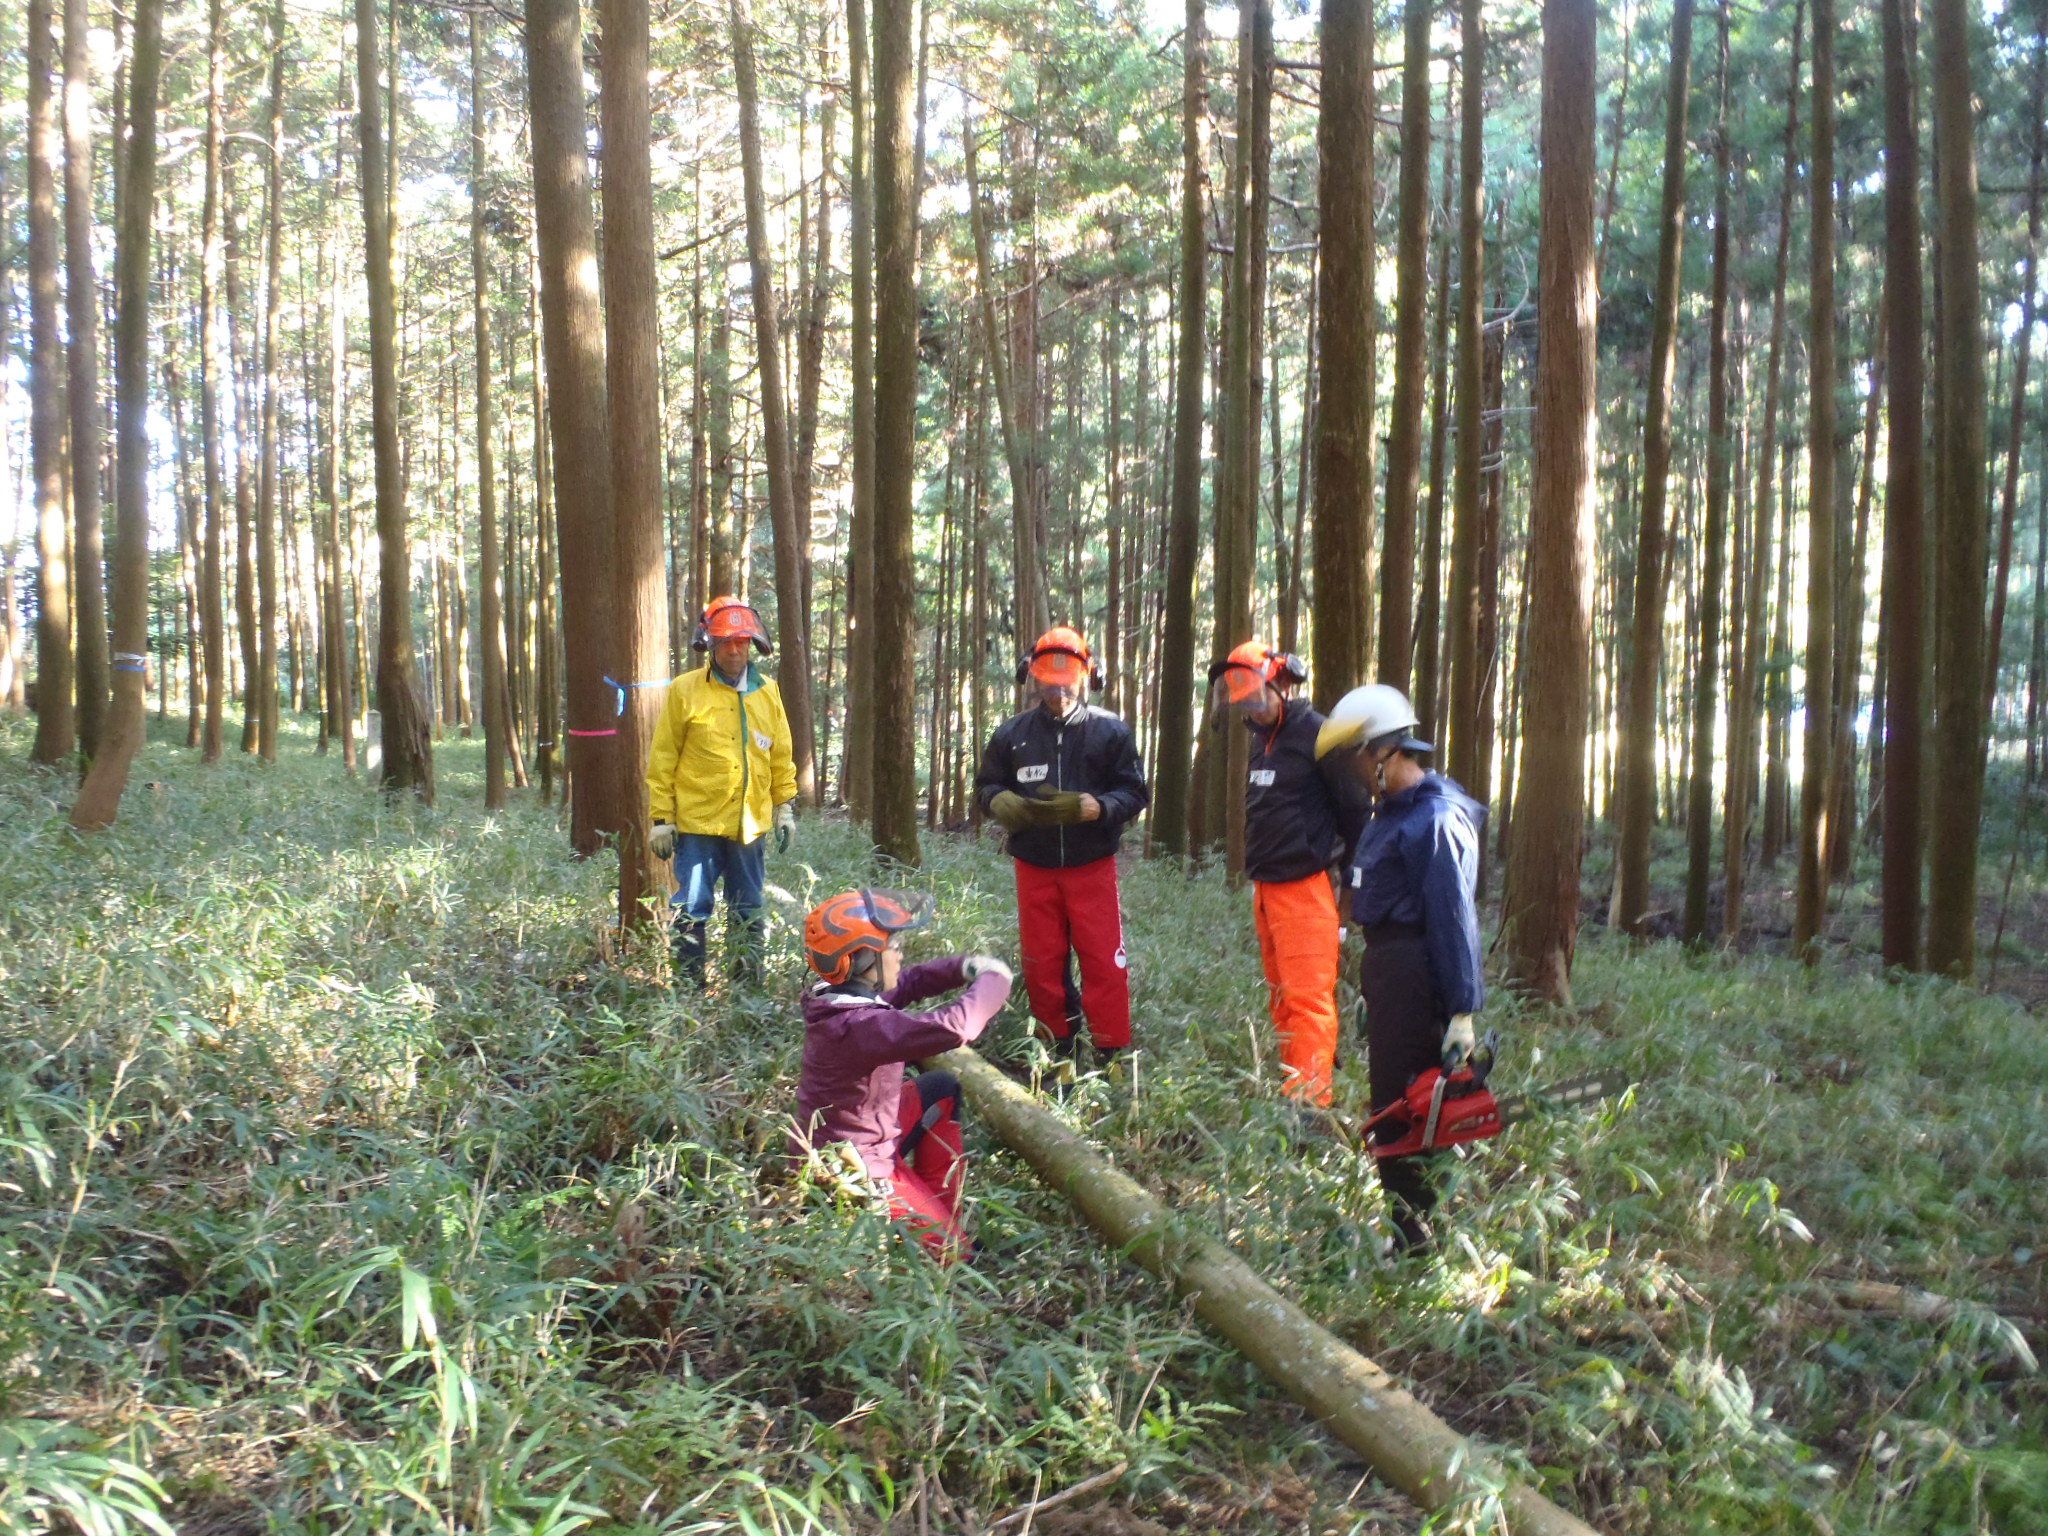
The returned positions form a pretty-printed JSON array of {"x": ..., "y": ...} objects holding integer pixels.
[
  {"x": 82, "y": 315},
  {"x": 857, "y": 786},
  {"x": 639, "y": 616},
  {"x": 213, "y": 637},
  {"x": 572, "y": 321},
  {"x": 489, "y": 576},
  {"x": 1904, "y": 499},
  {"x": 1343, "y": 584},
  {"x": 1959, "y": 516},
  {"x": 893, "y": 706},
  {"x": 1462, "y": 627},
  {"x": 792, "y": 614},
  {"x": 1810, "y": 910},
  {"x": 408, "y": 752},
  {"x": 1411, "y": 329},
  {"x": 1699, "y": 819},
  {"x": 1175, "y": 701},
  {"x": 1646, "y": 650},
  {"x": 2016, "y": 431},
  {"x": 267, "y": 471},
  {"x": 99, "y": 800},
  {"x": 1542, "y": 901},
  {"x": 56, "y": 713}
]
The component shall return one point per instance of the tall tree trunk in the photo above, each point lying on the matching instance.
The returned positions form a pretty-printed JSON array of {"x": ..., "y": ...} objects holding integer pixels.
[
  {"x": 1175, "y": 701},
  {"x": 489, "y": 575},
  {"x": 1904, "y": 499},
  {"x": 342, "y": 675},
  {"x": 792, "y": 615},
  {"x": 1542, "y": 901},
  {"x": 1646, "y": 650},
  {"x": 408, "y": 752},
  {"x": 1815, "y": 776},
  {"x": 1959, "y": 516},
  {"x": 1237, "y": 481},
  {"x": 2015, "y": 435},
  {"x": 213, "y": 637},
  {"x": 56, "y": 714},
  {"x": 1429, "y": 615},
  {"x": 639, "y": 615},
  {"x": 240, "y": 374},
  {"x": 99, "y": 800},
  {"x": 1462, "y": 628},
  {"x": 572, "y": 320},
  {"x": 1411, "y": 322},
  {"x": 82, "y": 317},
  {"x": 1343, "y": 587},
  {"x": 894, "y": 702},
  {"x": 1699, "y": 818},
  {"x": 267, "y": 473},
  {"x": 858, "y": 775}
]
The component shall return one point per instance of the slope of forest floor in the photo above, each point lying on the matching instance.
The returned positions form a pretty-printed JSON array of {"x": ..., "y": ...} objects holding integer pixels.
[{"x": 347, "y": 1184}]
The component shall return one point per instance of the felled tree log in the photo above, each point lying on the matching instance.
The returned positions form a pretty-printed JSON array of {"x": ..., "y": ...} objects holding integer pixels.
[{"x": 1406, "y": 1444}]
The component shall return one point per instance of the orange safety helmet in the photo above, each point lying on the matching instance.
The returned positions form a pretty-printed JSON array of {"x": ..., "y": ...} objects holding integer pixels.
[
  {"x": 1060, "y": 659},
  {"x": 1253, "y": 667},
  {"x": 727, "y": 618},
  {"x": 839, "y": 930}
]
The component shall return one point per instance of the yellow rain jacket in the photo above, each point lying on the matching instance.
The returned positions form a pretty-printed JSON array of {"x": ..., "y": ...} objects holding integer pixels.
[{"x": 723, "y": 757}]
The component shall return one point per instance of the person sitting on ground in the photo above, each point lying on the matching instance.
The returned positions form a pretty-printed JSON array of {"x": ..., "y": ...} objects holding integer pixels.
[
  {"x": 723, "y": 766},
  {"x": 858, "y": 1037}
]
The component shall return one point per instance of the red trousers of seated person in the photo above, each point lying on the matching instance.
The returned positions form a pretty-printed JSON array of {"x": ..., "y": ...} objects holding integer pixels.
[
  {"x": 1075, "y": 909},
  {"x": 924, "y": 1186}
]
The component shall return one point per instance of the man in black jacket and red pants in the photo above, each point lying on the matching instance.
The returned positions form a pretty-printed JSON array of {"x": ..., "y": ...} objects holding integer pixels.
[{"x": 1063, "y": 778}]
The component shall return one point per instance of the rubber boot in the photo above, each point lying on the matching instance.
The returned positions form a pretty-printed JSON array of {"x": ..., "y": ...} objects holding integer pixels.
[
  {"x": 746, "y": 944},
  {"x": 687, "y": 946}
]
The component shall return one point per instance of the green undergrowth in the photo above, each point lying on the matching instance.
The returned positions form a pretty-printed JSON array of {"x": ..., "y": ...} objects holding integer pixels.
[{"x": 350, "y": 1181}]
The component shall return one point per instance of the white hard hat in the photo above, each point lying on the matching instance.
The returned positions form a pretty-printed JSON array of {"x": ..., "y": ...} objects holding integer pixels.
[{"x": 1367, "y": 715}]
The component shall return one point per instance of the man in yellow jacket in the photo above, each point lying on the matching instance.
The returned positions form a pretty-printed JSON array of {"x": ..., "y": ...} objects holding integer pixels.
[{"x": 722, "y": 772}]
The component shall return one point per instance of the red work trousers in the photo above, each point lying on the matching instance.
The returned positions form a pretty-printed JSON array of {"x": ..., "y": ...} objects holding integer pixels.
[
  {"x": 1298, "y": 942},
  {"x": 924, "y": 1190},
  {"x": 1077, "y": 909}
]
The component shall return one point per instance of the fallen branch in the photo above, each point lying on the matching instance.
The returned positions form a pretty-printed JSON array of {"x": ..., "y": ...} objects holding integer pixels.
[
  {"x": 1406, "y": 1444},
  {"x": 1929, "y": 1307},
  {"x": 1080, "y": 1490}
]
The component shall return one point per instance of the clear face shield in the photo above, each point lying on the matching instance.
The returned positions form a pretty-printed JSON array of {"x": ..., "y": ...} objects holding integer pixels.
[
  {"x": 1057, "y": 682},
  {"x": 1240, "y": 693}
]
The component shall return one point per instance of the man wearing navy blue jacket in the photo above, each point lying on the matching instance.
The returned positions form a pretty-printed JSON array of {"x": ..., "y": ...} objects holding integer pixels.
[{"x": 1414, "y": 885}]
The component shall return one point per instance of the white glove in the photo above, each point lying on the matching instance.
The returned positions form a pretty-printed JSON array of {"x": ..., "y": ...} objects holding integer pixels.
[
  {"x": 661, "y": 841},
  {"x": 785, "y": 825},
  {"x": 1459, "y": 1042},
  {"x": 977, "y": 965}
]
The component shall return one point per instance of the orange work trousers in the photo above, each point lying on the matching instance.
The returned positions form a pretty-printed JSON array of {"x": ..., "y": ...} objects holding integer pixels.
[{"x": 1298, "y": 942}]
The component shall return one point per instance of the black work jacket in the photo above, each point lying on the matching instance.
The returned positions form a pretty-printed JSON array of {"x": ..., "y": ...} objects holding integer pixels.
[
  {"x": 1300, "y": 816},
  {"x": 1090, "y": 752}
]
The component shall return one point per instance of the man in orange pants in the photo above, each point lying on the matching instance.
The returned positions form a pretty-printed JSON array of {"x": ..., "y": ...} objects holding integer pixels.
[{"x": 1301, "y": 818}]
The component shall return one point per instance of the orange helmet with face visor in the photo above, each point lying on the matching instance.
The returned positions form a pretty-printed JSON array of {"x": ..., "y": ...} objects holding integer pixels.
[
  {"x": 727, "y": 618},
  {"x": 1060, "y": 659},
  {"x": 1240, "y": 681},
  {"x": 839, "y": 931}
]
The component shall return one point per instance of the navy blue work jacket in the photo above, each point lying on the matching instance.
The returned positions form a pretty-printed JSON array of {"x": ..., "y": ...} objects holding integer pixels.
[
  {"x": 1418, "y": 863},
  {"x": 1300, "y": 816}
]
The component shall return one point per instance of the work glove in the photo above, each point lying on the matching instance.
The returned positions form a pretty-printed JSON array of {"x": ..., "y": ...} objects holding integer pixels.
[
  {"x": 1062, "y": 808},
  {"x": 1459, "y": 1043},
  {"x": 977, "y": 965},
  {"x": 661, "y": 841},
  {"x": 785, "y": 825},
  {"x": 1014, "y": 811}
]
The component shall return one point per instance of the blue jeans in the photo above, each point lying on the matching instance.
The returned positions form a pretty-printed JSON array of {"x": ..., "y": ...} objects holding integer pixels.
[{"x": 702, "y": 860}]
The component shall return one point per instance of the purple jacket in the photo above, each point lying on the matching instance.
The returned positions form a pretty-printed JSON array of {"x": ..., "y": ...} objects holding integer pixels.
[{"x": 855, "y": 1045}]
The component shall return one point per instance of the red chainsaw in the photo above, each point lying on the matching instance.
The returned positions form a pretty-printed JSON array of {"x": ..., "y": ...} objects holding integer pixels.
[{"x": 1445, "y": 1108}]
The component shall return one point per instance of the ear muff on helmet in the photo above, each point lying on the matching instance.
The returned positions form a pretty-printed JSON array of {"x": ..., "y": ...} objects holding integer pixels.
[
  {"x": 1292, "y": 667},
  {"x": 1061, "y": 642}
]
